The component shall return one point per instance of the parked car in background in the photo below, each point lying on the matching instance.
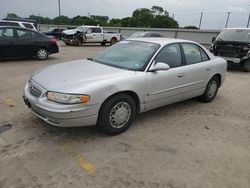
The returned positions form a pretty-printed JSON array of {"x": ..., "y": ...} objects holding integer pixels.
[
  {"x": 145, "y": 35},
  {"x": 89, "y": 34},
  {"x": 233, "y": 44},
  {"x": 21, "y": 42},
  {"x": 131, "y": 77},
  {"x": 56, "y": 32},
  {"x": 23, "y": 24}
]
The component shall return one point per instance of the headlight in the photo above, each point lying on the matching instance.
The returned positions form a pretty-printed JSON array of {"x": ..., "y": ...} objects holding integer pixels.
[{"x": 67, "y": 98}]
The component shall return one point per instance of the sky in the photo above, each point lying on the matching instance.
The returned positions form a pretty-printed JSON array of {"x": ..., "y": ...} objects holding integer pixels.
[{"x": 185, "y": 12}]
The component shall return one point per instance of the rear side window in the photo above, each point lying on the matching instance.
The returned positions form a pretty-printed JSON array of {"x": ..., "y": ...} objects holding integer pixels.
[
  {"x": 27, "y": 25},
  {"x": 204, "y": 55},
  {"x": 192, "y": 53},
  {"x": 170, "y": 55},
  {"x": 22, "y": 34},
  {"x": 9, "y": 24},
  {"x": 96, "y": 30}
]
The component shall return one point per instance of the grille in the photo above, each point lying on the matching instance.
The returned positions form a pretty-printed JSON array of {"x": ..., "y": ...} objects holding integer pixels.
[
  {"x": 227, "y": 53},
  {"x": 35, "y": 91}
]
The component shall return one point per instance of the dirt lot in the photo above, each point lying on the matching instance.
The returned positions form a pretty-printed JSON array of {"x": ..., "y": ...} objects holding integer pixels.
[{"x": 185, "y": 145}]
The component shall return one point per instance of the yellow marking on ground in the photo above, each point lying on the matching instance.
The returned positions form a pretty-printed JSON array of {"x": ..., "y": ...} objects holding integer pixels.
[
  {"x": 84, "y": 163},
  {"x": 9, "y": 102}
]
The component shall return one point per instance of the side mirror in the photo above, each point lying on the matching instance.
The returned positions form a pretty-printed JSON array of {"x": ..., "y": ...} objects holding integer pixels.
[
  {"x": 159, "y": 67},
  {"x": 213, "y": 39}
]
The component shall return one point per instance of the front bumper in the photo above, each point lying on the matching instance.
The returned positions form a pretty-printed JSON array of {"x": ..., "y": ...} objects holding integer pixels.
[
  {"x": 236, "y": 60},
  {"x": 60, "y": 115}
]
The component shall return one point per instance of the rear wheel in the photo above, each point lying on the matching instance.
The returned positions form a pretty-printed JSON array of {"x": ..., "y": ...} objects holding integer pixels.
[
  {"x": 211, "y": 90},
  {"x": 116, "y": 114},
  {"x": 113, "y": 41},
  {"x": 42, "y": 54}
]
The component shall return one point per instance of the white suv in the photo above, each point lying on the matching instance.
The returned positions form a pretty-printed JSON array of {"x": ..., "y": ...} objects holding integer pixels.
[{"x": 22, "y": 24}]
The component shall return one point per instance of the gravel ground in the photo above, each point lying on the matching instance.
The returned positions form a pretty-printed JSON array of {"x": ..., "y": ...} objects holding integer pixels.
[{"x": 185, "y": 145}]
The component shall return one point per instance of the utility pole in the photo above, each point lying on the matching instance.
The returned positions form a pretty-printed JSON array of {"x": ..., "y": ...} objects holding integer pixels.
[
  {"x": 248, "y": 20},
  {"x": 228, "y": 14},
  {"x": 200, "y": 20},
  {"x": 59, "y": 7}
]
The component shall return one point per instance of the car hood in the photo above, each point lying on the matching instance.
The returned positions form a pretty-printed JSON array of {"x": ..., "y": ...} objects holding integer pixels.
[
  {"x": 72, "y": 76},
  {"x": 70, "y": 31}
]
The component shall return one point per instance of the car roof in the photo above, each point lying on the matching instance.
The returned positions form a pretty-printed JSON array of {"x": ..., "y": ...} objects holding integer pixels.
[
  {"x": 14, "y": 21},
  {"x": 161, "y": 41},
  {"x": 17, "y": 27}
]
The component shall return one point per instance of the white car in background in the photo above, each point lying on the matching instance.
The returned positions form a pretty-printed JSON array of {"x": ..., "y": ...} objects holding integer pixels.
[
  {"x": 89, "y": 34},
  {"x": 22, "y": 24},
  {"x": 131, "y": 77}
]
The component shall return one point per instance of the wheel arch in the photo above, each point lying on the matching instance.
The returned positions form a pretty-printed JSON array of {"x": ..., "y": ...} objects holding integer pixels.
[
  {"x": 219, "y": 77},
  {"x": 134, "y": 96}
]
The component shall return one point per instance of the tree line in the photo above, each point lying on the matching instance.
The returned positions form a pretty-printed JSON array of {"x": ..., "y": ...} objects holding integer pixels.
[{"x": 156, "y": 17}]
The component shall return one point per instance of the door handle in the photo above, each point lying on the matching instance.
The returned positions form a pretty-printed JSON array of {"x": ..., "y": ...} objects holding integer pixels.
[{"x": 180, "y": 75}]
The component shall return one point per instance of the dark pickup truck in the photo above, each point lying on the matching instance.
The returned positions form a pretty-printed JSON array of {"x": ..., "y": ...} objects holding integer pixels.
[{"x": 234, "y": 46}]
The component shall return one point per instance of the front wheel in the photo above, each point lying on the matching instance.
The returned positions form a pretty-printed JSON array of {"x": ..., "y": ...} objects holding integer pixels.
[
  {"x": 211, "y": 90},
  {"x": 246, "y": 66},
  {"x": 42, "y": 54},
  {"x": 116, "y": 114}
]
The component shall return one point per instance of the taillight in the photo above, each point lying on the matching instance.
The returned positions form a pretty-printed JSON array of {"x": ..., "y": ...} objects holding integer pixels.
[{"x": 53, "y": 40}]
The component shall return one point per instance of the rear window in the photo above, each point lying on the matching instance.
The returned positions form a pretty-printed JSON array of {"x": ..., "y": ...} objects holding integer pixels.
[
  {"x": 9, "y": 24},
  {"x": 27, "y": 25}
]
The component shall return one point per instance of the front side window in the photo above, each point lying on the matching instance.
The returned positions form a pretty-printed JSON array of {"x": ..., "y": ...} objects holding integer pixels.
[
  {"x": 130, "y": 55},
  {"x": 170, "y": 55},
  {"x": 6, "y": 33},
  {"x": 192, "y": 53}
]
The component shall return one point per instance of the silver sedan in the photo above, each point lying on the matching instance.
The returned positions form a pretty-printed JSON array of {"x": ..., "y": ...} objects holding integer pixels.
[{"x": 131, "y": 77}]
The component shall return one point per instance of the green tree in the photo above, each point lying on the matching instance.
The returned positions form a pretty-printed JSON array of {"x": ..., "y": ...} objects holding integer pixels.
[
  {"x": 115, "y": 22},
  {"x": 11, "y": 15},
  {"x": 40, "y": 19},
  {"x": 191, "y": 27},
  {"x": 128, "y": 22},
  {"x": 157, "y": 10},
  {"x": 143, "y": 17},
  {"x": 63, "y": 20},
  {"x": 164, "y": 22}
]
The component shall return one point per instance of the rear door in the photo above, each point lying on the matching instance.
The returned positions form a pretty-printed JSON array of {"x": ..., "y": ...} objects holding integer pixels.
[
  {"x": 26, "y": 42},
  {"x": 196, "y": 71},
  {"x": 7, "y": 43}
]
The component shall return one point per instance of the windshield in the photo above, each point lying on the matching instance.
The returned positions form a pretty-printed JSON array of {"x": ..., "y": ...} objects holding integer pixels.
[
  {"x": 130, "y": 55},
  {"x": 137, "y": 35},
  {"x": 82, "y": 28},
  {"x": 238, "y": 35}
]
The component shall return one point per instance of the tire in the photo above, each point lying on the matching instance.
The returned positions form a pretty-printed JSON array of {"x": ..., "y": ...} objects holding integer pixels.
[
  {"x": 116, "y": 114},
  {"x": 113, "y": 41},
  {"x": 211, "y": 90},
  {"x": 103, "y": 43},
  {"x": 42, "y": 53},
  {"x": 79, "y": 42},
  {"x": 246, "y": 66}
]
